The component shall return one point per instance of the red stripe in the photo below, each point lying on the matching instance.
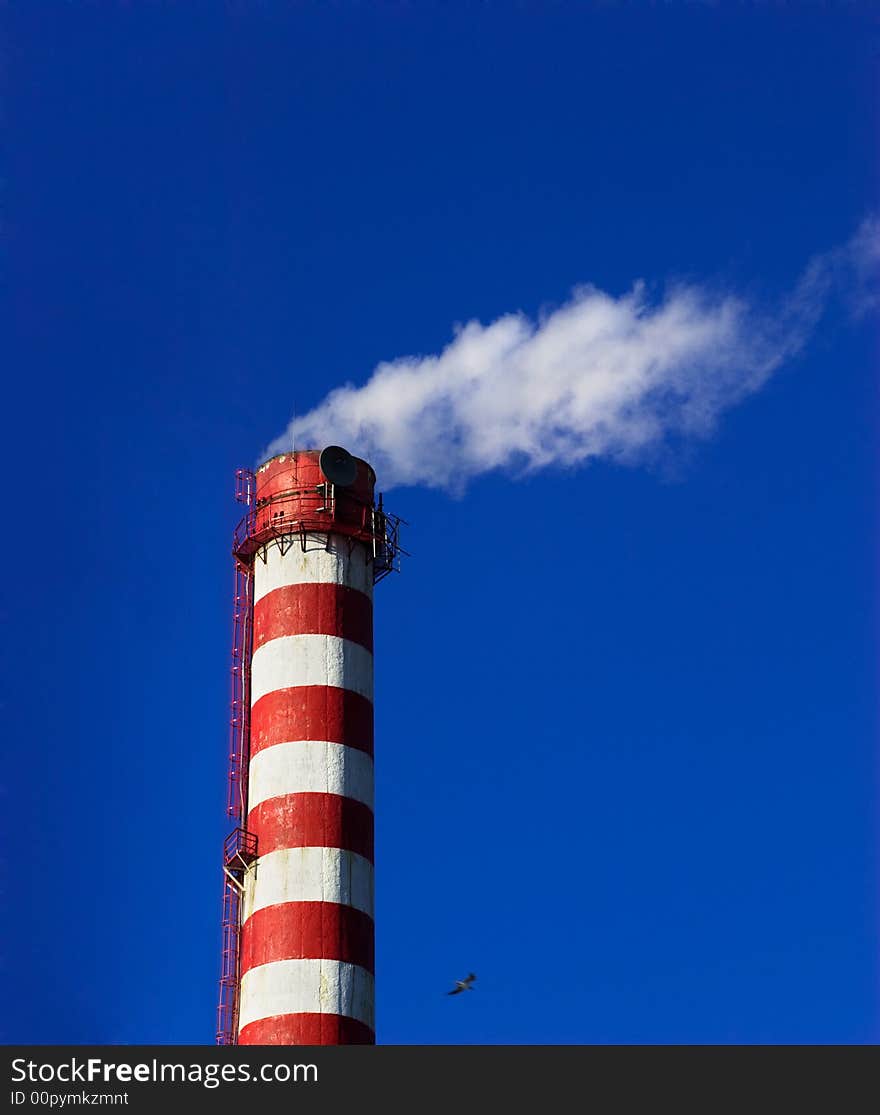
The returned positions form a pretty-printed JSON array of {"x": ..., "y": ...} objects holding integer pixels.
[
  {"x": 312, "y": 712},
  {"x": 306, "y": 1029},
  {"x": 308, "y": 931},
  {"x": 314, "y": 609},
  {"x": 313, "y": 821}
]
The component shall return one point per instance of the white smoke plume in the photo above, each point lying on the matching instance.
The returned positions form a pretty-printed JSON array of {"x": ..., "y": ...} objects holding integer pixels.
[{"x": 601, "y": 376}]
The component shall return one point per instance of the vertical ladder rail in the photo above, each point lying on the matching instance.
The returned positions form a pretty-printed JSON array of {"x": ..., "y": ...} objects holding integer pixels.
[
  {"x": 227, "y": 1009},
  {"x": 239, "y": 705},
  {"x": 236, "y": 786}
]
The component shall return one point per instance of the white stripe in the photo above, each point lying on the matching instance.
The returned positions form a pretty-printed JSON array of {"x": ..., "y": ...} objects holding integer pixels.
[
  {"x": 307, "y": 986},
  {"x": 311, "y": 660},
  {"x": 335, "y": 566},
  {"x": 310, "y": 766},
  {"x": 309, "y": 875}
]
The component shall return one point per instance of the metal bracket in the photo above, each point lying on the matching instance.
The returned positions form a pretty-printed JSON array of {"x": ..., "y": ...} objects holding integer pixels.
[{"x": 232, "y": 879}]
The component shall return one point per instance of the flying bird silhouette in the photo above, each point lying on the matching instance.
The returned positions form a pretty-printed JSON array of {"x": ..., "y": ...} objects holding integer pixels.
[{"x": 462, "y": 985}]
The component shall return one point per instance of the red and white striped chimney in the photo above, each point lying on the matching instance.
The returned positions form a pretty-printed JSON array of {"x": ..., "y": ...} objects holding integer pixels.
[{"x": 306, "y": 944}]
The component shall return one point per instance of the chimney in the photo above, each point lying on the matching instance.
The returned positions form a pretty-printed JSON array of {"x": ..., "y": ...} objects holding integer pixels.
[{"x": 298, "y": 928}]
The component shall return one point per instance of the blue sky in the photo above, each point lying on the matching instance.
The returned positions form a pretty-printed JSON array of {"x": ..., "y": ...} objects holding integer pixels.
[{"x": 626, "y": 713}]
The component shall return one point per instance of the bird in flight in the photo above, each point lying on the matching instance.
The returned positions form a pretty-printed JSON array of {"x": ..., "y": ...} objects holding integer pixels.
[{"x": 462, "y": 985}]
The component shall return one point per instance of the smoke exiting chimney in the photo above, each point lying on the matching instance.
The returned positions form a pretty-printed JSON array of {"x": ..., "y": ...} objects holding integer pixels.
[{"x": 600, "y": 377}]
